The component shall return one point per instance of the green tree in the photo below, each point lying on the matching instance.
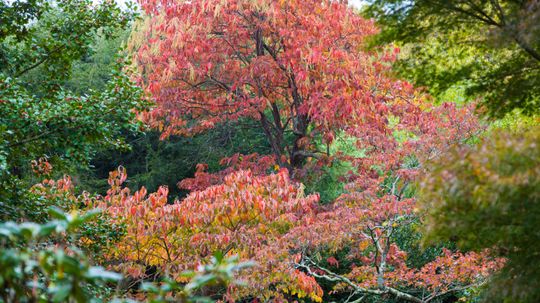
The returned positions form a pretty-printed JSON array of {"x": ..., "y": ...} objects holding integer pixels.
[
  {"x": 50, "y": 36},
  {"x": 153, "y": 162},
  {"x": 477, "y": 48},
  {"x": 487, "y": 196},
  {"x": 67, "y": 129},
  {"x": 93, "y": 71},
  {"x": 39, "y": 116}
]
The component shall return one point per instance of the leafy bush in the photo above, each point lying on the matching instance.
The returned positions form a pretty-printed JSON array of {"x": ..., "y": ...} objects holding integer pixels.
[
  {"x": 37, "y": 269},
  {"x": 487, "y": 196}
]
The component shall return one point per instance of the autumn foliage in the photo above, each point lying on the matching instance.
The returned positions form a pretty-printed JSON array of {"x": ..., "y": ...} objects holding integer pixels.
[
  {"x": 316, "y": 154},
  {"x": 301, "y": 70},
  {"x": 268, "y": 219},
  {"x": 296, "y": 67},
  {"x": 245, "y": 216}
]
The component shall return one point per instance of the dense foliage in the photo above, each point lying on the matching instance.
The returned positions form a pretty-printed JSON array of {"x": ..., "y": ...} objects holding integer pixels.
[
  {"x": 50, "y": 35},
  {"x": 487, "y": 49},
  {"x": 40, "y": 118},
  {"x": 244, "y": 216},
  {"x": 41, "y": 264},
  {"x": 34, "y": 270},
  {"x": 275, "y": 154},
  {"x": 243, "y": 62},
  {"x": 487, "y": 196},
  {"x": 244, "y": 59}
]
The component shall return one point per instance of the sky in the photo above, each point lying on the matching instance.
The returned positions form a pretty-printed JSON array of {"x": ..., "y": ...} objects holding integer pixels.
[{"x": 356, "y": 3}]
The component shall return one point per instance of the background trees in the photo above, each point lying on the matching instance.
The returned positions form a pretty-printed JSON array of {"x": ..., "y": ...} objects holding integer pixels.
[
  {"x": 52, "y": 32},
  {"x": 486, "y": 196},
  {"x": 487, "y": 49}
]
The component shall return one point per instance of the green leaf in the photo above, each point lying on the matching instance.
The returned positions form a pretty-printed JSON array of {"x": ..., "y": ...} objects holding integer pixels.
[
  {"x": 60, "y": 292},
  {"x": 57, "y": 213},
  {"x": 96, "y": 272}
]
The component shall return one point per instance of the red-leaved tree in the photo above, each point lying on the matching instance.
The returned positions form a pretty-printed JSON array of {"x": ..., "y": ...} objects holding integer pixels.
[
  {"x": 269, "y": 219},
  {"x": 300, "y": 68}
]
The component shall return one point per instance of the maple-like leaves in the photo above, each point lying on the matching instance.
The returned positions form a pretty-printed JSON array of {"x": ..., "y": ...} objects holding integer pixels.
[
  {"x": 269, "y": 219},
  {"x": 379, "y": 201}
]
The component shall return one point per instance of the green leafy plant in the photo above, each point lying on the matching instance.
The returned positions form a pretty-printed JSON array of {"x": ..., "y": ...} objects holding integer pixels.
[
  {"x": 37, "y": 269},
  {"x": 467, "y": 49},
  {"x": 220, "y": 271},
  {"x": 40, "y": 265}
]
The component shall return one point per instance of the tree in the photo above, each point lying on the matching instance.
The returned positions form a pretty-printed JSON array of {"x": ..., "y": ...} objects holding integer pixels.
[
  {"x": 50, "y": 35},
  {"x": 378, "y": 205},
  {"x": 66, "y": 129},
  {"x": 486, "y": 196},
  {"x": 487, "y": 49},
  {"x": 16, "y": 16},
  {"x": 296, "y": 67},
  {"x": 92, "y": 72},
  {"x": 40, "y": 119}
]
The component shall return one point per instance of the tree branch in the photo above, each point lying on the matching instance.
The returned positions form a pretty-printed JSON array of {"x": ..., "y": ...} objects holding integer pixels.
[
  {"x": 307, "y": 264},
  {"x": 38, "y": 63}
]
